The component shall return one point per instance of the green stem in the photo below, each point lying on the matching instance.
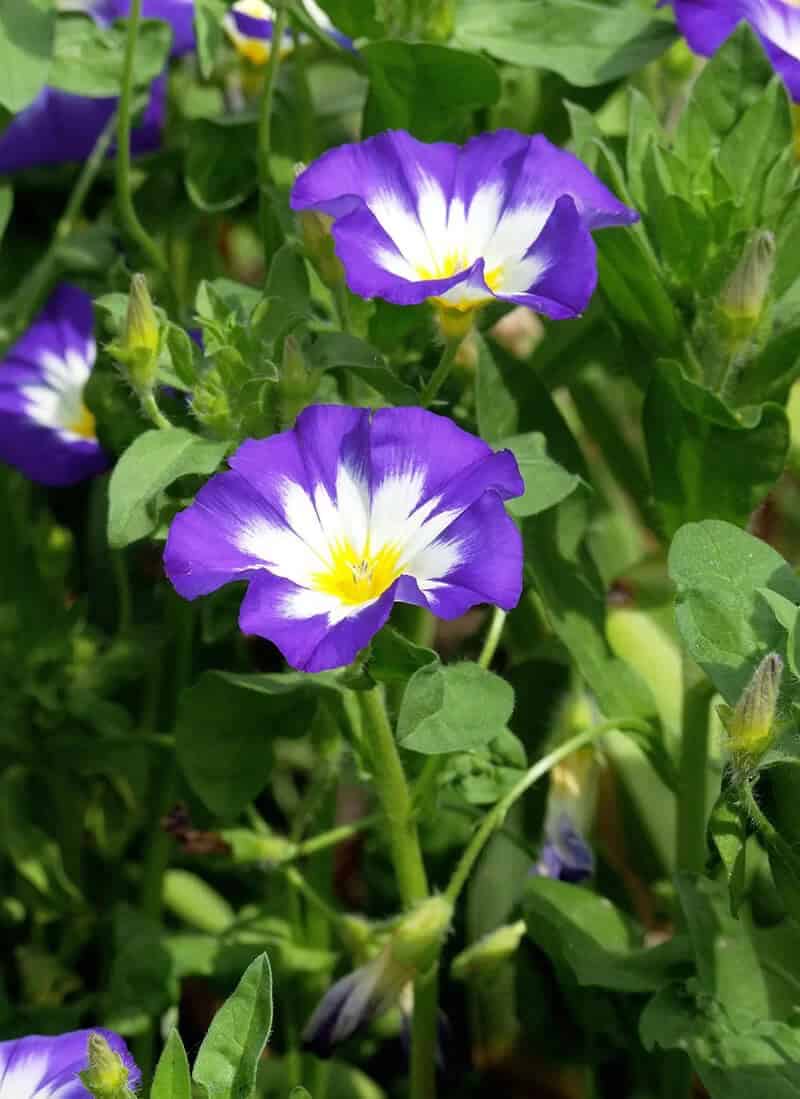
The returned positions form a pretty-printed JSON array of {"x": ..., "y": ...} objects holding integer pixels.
[
  {"x": 265, "y": 123},
  {"x": 334, "y": 836},
  {"x": 127, "y": 211},
  {"x": 299, "y": 883},
  {"x": 342, "y": 303},
  {"x": 442, "y": 372},
  {"x": 495, "y": 817},
  {"x": 692, "y": 769},
  {"x": 395, "y": 797},
  {"x": 32, "y": 289},
  {"x": 153, "y": 412},
  {"x": 492, "y": 639}
]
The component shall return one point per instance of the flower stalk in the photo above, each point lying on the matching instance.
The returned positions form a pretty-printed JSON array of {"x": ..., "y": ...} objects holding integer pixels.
[{"x": 127, "y": 211}]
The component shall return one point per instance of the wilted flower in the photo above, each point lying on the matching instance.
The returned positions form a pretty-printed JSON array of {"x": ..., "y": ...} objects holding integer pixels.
[
  {"x": 566, "y": 854},
  {"x": 178, "y": 13},
  {"x": 333, "y": 521},
  {"x": 40, "y": 1067},
  {"x": 706, "y": 24},
  {"x": 46, "y": 430},
  {"x": 505, "y": 216},
  {"x": 249, "y": 25},
  {"x": 383, "y": 982},
  {"x": 59, "y": 127}
]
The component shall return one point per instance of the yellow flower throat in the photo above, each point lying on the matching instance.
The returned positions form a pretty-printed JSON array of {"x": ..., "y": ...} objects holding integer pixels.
[{"x": 357, "y": 577}]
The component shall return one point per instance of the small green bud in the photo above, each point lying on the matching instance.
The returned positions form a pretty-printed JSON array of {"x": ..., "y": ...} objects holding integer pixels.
[
  {"x": 441, "y": 20},
  {"x": 257, "y": 847},
  {"x": 418, "y": 937},
  {"x": 138, "y": 348},
  {"x": 106, "y": 1076},
  {"x": 489, "y": 952},
  {"x": 744, "y": 294},
  {"x": 751, "y": 723},
  {"x": 297, "y": 383},
  {"x": 211, "y": 405},
  {"x": 679, "y": 62}
]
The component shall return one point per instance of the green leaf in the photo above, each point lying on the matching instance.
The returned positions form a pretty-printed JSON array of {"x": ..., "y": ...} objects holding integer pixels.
[
  {"x": 736, "y": 1055},
  {"x": 728, "y": 830},
  {"x": 221, "y": 166},
  {"x": 141, "y": 984},
  {"x": 546, "y": 482},
  {"x": 228, "y": 1059},
  {"x": 495, "y": 406},
  {"x": 726, "y": 626},
  {"x": 171, "y": 1079},
  {"x": 705, "y": 462},
  {"x": 152, "y": 462},
  {"x": 6, "y": 206},
  {"x": 453, "y": 707},
  {"x": 340, "y": 351},
  {"x": 35, "y": 855},
  {"x": 426, "y": 89},
  {"x": 88, "y": 58},
  {"x": 571, "y": 590},
  {"x": 728, "y": 85},
  {"x": 394, "y": 659},
  {"x": 209, "y": 31},
  {"x": 356, "y": 18},
  {"x": 751, "y": 149},
  {"x": 223, "y": 732},
  {"x": 586, "y": 42},
  {"x": 26, "y": 43},
  {"x": 594, "y": 940}
]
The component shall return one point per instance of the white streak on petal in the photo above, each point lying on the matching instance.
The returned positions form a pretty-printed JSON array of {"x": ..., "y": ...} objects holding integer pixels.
[
  {"x": 400, "y": 224},
  {"x": 481, "y": 220},
  {"x": 280, "y": 549},
  {"x": 432, "y": 212},
  {"x": 515, "y": 232},
  {"x": 518, "y": 278},
  {"x": 436, "y": 561}
]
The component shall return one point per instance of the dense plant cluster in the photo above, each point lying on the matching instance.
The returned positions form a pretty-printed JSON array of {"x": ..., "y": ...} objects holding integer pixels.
[{"x": 399, "y": 456}]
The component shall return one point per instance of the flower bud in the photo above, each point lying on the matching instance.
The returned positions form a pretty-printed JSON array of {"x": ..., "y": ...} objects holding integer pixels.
[
  {"x": 744, "y": 294},
  {"x": 418, "y": 937},
  {"x": 441, "y": 20},
  {"x": 297, "y": 383},
  {"x": 315, "y": 229},
  {"x": 489, "y": 952},
  {"x": 107, "y": 1075},
  {"x": 138, "y": 348},
  {"x": 751, "y": 722},
  {"x": 571, "y": 800},
  {"x": 261, "y": 848}
]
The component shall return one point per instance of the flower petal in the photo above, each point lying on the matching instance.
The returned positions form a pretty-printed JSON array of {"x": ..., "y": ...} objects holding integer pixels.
[
  {"x": 558, "y": 274},
  {"x": 59, "y": 127},
  {"x": 477, "y": 559},
  {"x": 305, "y": 625}
]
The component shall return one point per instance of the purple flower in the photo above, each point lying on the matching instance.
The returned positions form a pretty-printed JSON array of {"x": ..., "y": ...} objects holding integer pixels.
[
  {"x": 707, "y": 23},
  {"x": 39, "y": 1067},
  {"x": 505, "y": 216},
  {"x": 178, "y": 13},
  {"x": 354, "y": 1000},
  {"x": 59, "y": 127},
  {"x": 46, "y": 430},
  {"x": 565, "y": 853},
  {"x": 249, "y": 26},
  {"x": 333, "y": 521},
  {"x": 571, "y": 801}
]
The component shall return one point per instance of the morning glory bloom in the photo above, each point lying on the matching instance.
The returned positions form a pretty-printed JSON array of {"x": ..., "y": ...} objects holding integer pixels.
[
  {"x": 705, "y": 24},
  {"x": 566, "y": 854},
  {"x": 249, "y": 26},
  {"x": 46, "y": 430},
  {"x": 39, "y": 1067},
  {"x": 505, "y": 216},
  {"x": 178, "y": 13},
  {"x": 59, "y": 127},
  {"x": 333, "y": 521}
]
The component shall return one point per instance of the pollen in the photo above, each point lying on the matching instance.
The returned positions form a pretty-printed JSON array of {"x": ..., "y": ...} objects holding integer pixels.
[
  {"x": 357, "y": 577},
  {"x": 84, "y": 424}
]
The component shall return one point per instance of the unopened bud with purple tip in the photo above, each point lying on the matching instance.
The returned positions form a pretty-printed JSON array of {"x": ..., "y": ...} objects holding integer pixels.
[{"x": 566, "y": 853}]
